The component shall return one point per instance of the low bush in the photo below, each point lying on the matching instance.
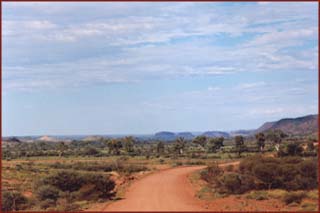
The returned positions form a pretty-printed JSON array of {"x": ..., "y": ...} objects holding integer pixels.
[
  {"x": 258, "y": 195},
  {"x": 47, "y": 192},
  {"x": 211, "y": 173},
  {"x": 60, "y": 190},
  {"x": 13, "y": 201},
  {"x": 294, "y": 197},
  {"x": 118, "y": 166}
]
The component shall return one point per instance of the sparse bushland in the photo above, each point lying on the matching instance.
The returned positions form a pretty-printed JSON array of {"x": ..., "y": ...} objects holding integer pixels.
[
  {"x": 293, "y": 169},
  {"x": 118, "y": 166}
]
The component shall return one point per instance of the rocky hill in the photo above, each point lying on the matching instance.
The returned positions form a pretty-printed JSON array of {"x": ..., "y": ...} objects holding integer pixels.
[{"x": 306, "y": 125}]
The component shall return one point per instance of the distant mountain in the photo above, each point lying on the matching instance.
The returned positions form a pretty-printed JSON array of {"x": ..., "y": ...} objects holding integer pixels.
[
  {"x": 216, "y": 134},
  {"x": 186, "y": 135},
  {"x": 165, "y": 135},
  {"x": 168, "y": 136},
  {"x": 242, "y": 132},
  {"x": 305, "y": 125}
]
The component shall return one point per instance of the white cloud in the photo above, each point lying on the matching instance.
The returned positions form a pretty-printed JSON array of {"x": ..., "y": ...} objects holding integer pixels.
[
  {"x": 251, "y": 85},
  {"x": 162, "y": 42}
]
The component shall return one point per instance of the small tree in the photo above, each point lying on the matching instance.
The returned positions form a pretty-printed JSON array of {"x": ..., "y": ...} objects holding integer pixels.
[
  {"x": 114, "y": 146},
  {"x": 200, "y": 140},
  {"x": 129, "y": 144},
  {"x": 215, "y": 143},
  {"x": 260, "y": 137},
  {"x": 179, "y": 145},
  {"x": 239, "y": 142},
  {"x": 160, "y": 147},
  {"x": 62, "y": 147},
  {"x": 276, "y": 137}
]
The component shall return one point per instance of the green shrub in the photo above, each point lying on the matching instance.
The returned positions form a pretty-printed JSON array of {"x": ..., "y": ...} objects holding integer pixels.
[
  {"x": 47, "y": 192},
  {"x": 230, "y": 183},
  {"x": 83, "y": 186},
  {"x": 44, "y": 204},
  {"x": 13, "y": 201},
  {"x": 211, "y": 173},
  {"x": 294, "y": 197},
  {"x": 258, "y": 195}
]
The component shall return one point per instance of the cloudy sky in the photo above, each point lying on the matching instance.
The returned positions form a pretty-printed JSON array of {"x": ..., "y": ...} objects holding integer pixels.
[{"x": 110, "y": 68}]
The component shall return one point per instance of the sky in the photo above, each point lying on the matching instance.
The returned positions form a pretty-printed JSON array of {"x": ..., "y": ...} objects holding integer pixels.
[{"x": 139, "y": 68}]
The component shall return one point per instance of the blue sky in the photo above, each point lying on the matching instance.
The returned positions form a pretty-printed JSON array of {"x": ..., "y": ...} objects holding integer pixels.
[{"x": 134, "y": 68}]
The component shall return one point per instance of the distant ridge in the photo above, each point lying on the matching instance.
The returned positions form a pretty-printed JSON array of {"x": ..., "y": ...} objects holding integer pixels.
[{"x": 305, "y": 125}]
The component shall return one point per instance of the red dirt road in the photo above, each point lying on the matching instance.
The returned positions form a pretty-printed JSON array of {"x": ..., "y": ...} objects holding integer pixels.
[{"x": 167, "y": 190}]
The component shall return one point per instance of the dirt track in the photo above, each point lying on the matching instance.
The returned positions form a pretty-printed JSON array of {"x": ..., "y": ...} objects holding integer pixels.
[{"x": 167, "y": 190}]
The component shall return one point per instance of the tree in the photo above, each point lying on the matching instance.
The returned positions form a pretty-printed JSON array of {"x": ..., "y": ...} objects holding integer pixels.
[
  {"x": 179, "y": 145},
  {"x": 260, "y": 137},
  {"x": 129, "y": 144},
  {"x": 239, "y": 142},
  {"x": 62, "y": 147},
  {"x": 276, "y": 137},
  {"x": 200, "y": 140},
  {"x": 160, "y": 147},
  {"x": 114, "y": 146},
  {"x": 215, "y": 143}
]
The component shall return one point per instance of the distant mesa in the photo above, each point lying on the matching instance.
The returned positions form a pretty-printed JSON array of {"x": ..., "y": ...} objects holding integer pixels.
[
  {"x": 165, "y": 135},
  {"x": 216, "y": 134},
  {"x": 186, "y": 135}
]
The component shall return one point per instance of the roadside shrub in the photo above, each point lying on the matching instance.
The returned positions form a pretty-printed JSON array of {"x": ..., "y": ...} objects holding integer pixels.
[
  {"x": 234, "y": 183},
  {"x": 64, "y": 181},
  {"x": 118, "y": 166},
  {"x": 84, "y": 186},
  {"x": 13, "y": 201},
  {"x": 211, "y": 173},
  {"x": 258, "y": 172},
  {"x": 293, "y": 197},
  {"x": 230, "y": 183}
]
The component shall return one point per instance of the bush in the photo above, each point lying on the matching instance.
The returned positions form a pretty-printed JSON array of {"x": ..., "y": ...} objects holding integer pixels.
[
  {"x": 64, "y": 181},
  {"x": 293, "y": 197},
  {"x": 82, "y": 185},
  {"x": 47, "y": 203},
  {"x": 118, "y": 166},
  {"x": 234, "y": 183},
  {"x": 211, "y": 173},
  {"x": 13, "y": 201},
  {"x": 47, "y": 192},
  {"x": 258, "y": 195},
  {"x": 231, "y": 183}
]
